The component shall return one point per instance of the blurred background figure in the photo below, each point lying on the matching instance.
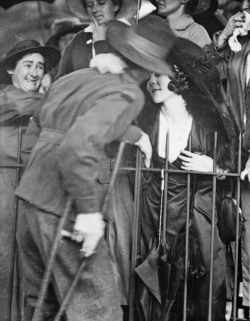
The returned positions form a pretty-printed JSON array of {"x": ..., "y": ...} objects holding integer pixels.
[
  {"x": 90, "y": 41},
  {"x": 21, "y": 73},
  {"x": 63, "y": 31},
  {"x": 226, "y": 9},
  {"x": 178, "y": 15}
]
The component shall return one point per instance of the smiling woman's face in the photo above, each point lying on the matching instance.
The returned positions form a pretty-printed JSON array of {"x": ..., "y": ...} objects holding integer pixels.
[
  {"x": 28, "y": 73},
  {"x": 158, "y": 88},
  {"x": 102, "y": 10}
]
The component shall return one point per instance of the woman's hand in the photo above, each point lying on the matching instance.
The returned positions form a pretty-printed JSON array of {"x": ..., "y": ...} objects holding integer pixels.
[
  {"x": 196, "y": 162},
  {"x": 246, "y": 172},
  {"x": 99, "y": 31},
  {"x": 233, "y": 22},
  {"x": 145, "y": 146}
]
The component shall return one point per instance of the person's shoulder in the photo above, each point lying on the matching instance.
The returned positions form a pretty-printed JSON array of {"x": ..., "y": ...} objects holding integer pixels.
[{"x": 198, "y": 34}]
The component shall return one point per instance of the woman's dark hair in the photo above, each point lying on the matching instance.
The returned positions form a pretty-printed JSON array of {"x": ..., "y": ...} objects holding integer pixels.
[
  {"x": 191, "y": 6},
  {"x": 180, "y": 81},
  {"x": 115, "y": 2}
]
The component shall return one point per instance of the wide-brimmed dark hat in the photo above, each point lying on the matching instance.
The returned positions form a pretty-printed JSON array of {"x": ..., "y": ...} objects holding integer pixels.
[
  {"x": 20, "y": 49},
  {"x": 194, "y": 62},
  {"x": 127, "y": 8},
  {"x": 146, "y": 44}
]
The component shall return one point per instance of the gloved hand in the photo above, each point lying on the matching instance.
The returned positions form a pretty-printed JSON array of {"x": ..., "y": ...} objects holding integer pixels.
[
  {"x": 89, "y": 229},
  {"x": 145, "y": 146},
  {"x": 108, "y": 62}
]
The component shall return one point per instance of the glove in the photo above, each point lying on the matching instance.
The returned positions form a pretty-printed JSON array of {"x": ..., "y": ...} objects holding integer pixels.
[
  {"x": 89, "y": 229},
  {"x": 145, "y": 146}
]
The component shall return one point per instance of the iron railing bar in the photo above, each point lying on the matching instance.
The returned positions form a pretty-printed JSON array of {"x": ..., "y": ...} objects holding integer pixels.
[
  {"x": 165, "y": 195},
  {"x": 11, "y": 166},
  {"x": 187, "y": 238},
  {"x": 179, "y": 171},
  {"x": 237, "y": 234},
  {"x": 49, "y": 265},
  {"x": 212, "y": 231},
  {"x": 14, "y": 228},
  {"x": 135, "y": 234}
]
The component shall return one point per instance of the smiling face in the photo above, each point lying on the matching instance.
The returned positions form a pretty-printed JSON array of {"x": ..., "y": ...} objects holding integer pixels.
[
  {"x": 167, "y": 7},
  {"x": 158, "y": 88},
  {"x": 28, "y": 72},
  {"x": 102, "y": 10}
]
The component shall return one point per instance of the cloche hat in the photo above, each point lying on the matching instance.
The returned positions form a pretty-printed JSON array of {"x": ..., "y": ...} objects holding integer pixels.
[
  {"x": 146, "y": 44},
  {"x": 20, "y": 49}
]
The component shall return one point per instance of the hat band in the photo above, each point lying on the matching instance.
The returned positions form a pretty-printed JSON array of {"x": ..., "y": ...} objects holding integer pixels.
[{"x": 146, "y": 47}]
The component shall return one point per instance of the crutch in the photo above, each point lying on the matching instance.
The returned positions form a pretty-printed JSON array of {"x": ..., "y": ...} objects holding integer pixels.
[{"x": 37, "y": 314}]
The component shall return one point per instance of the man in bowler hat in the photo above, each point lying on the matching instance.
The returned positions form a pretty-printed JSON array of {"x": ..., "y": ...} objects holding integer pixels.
[{"x": 82, "y": 113}]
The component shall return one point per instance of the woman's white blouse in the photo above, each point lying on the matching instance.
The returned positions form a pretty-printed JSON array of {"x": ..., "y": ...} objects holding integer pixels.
[{"x": 178, "y": 134}]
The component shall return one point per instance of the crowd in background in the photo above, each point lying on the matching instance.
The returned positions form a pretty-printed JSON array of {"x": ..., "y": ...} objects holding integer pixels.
[{"x": 165, "y": 87}]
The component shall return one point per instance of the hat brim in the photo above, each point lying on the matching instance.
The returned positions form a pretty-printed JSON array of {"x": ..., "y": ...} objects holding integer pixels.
[
  {"x": 51, "y": 55},
  {"x": 128, "y": 9},
  {"x": 202, "y": 6},
  {"x": 131, "y": 53},
  {"x": 54, "y": 39}
]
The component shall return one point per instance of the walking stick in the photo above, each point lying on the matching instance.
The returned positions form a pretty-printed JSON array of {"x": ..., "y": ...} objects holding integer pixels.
[
  {"x": 48, "y": 271},
  {"x": 37, "y": 314}
]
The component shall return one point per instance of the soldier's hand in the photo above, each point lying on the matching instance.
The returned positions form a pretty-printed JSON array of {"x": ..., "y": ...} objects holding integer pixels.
[{"x": 88, "y": 229}]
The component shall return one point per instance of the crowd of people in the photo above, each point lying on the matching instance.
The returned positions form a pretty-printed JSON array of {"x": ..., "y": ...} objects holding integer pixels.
[{"x": 161, "y": 86}]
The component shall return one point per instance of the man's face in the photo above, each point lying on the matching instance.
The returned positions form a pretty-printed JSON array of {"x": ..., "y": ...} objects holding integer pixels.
[
  {"x": 102, "y": 10},
  {"x": 166, "y": 7},
  {"x": 28, "y": 73}
]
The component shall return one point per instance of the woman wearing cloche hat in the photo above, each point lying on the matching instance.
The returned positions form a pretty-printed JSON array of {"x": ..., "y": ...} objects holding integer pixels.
[{"x": 21, "y": 73}]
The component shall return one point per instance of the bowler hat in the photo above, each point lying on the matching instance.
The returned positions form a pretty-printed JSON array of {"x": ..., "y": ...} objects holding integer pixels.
[
  {"x": 20, "y": 49},
  {"x": 145, "y": 44}
]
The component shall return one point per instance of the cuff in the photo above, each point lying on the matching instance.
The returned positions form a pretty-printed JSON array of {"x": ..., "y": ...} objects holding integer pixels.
[
  {"x": 132, "y": 135},
  {"x": 101, "y": 46},
  {"x": 87, "y": 205}
]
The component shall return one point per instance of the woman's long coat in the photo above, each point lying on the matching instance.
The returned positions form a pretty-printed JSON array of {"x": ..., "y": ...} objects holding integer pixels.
[{"x": 202, "y": 136}]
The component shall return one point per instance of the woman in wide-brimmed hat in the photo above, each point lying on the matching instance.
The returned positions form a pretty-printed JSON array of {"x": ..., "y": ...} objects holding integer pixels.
[
  {"x": 27, "y": 61},
  {"x": 189, "y": 107},
  {"x": 178, "y": 15},
  {"x": 21, "y": 73},
  {"x": 92, "y": 40}
]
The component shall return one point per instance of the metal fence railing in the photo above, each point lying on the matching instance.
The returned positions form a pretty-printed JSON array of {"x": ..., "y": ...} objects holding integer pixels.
[{"x": 138, "y": 170}]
